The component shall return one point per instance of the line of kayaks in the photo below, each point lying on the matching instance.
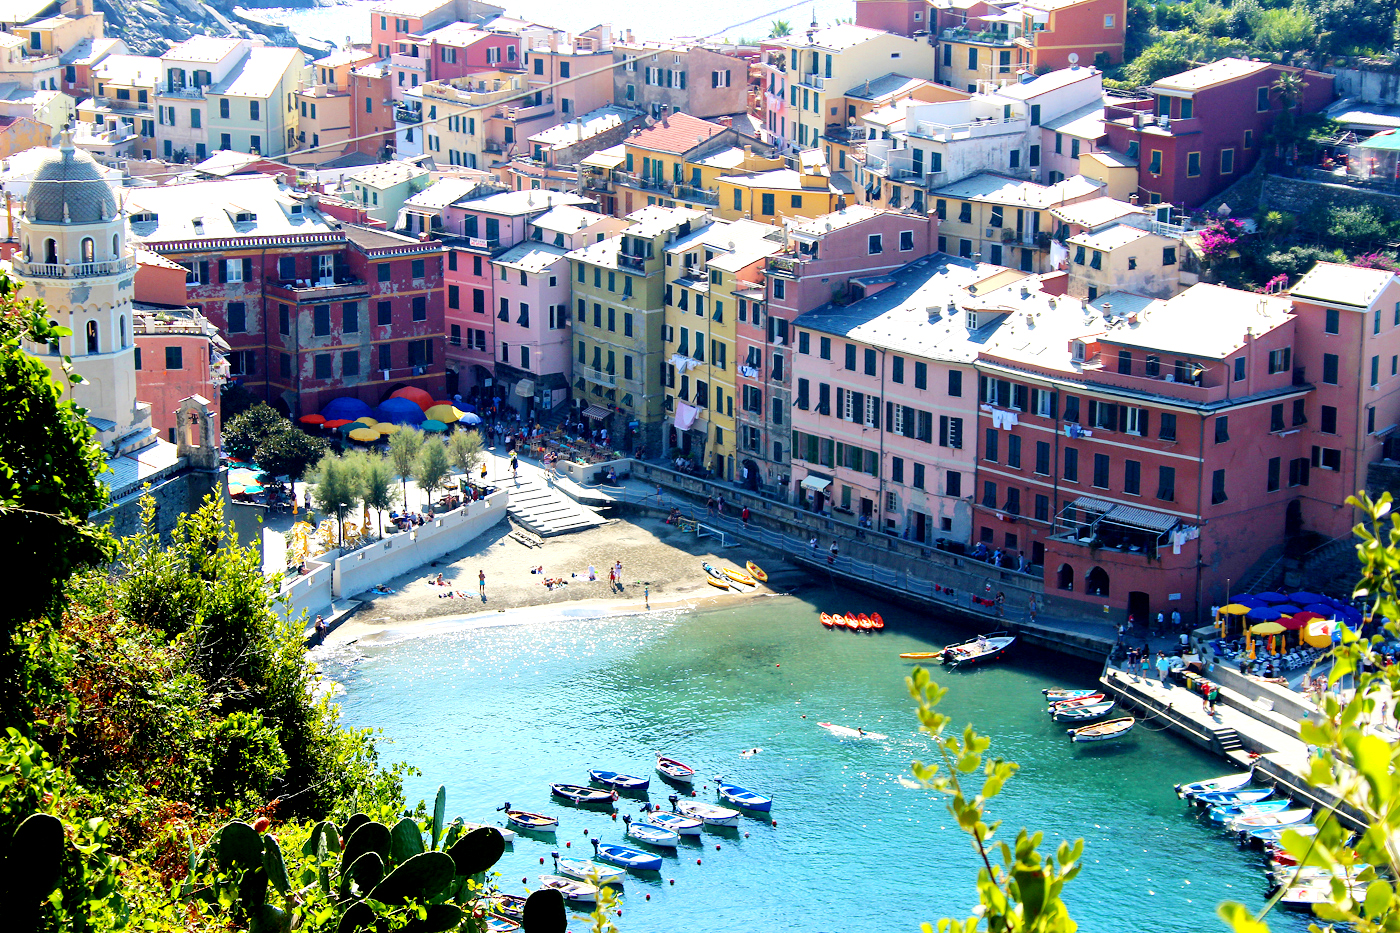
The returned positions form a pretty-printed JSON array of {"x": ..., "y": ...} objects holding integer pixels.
[
  {"x": 1256, "y": 815},
  {"x": 725, "y": 578},
  {"x": 855, "y": 622}
]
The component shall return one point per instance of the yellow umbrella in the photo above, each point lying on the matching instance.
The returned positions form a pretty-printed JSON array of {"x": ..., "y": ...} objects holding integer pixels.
[
  {"x": 1318, "y": 633},
  {"x": 386, "y": 428},
  {"x": 1234, "y": 609},
  {"x": 364, "y": 435},
  {"x": 367, "y": 421},
  {"x": 447, "y": 414},
  {"x": 1267, "y": 628}
]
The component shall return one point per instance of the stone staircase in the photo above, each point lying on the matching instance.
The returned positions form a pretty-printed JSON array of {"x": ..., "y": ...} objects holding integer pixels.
[
  {"x": 544, "y": 510},
  {"x": 1227, "y": 739}
]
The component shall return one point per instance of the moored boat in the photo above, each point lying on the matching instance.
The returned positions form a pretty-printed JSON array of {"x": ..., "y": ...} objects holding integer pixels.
[
  {"x": 1224, "y": 814},
  {"x": 1319, "y": 891},
  {"x": 1086, "y": 713},
  {"x": 495, "y": 924},
  {"x": 1089, "y": 700},
  {"x": 573, "y": 890},
  {"x": 865, "y": 624},
  {"x": 506, "y": 832},
  {"x": 511, "y": 906},
  {"x": 585, "y": 870},
  {"x": 1056, "y": 694},
  {"x": 577, "y": 793},
  {"x": 827, "y": 620},
  {"x": 738, "y": 576},
  {"x": 708, "y": 813},
  {"x": 878, "y": 622},
  {"x": 756, "y": 572},
  {"x": 1230, "y": 798},
  {"x": 619, "y": 781},
  {"x": 1103, "y": 731},
  {"x": 673, "y": 770},
  {"x": 920, "y": 655},
  {"x": 680, "y": 825},
  {"x": 1277, "y": 819},
  {"x": 979, "y": 650},
  {"x": 651, "y": 833},
  {"x": 743, "y": 797},
  {"x": 1228, "y": 782},
  {"x": 627, "y": 857},
  {"x": 524, "y": 819},
  {"x": 1271, "y": 835}
]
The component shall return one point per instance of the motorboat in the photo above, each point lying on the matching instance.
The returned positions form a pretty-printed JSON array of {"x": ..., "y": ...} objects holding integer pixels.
[
  {"x": 979, "y": 650},
  {"x": 1086, "y": 713},
  {"x": 1227, "y": 813},
  {"x": 583, "y": 795},
  {"x": 627, "y": 857},
  {"x": 572, "y": 889},
  {"x": 673, "y": 770},
  {"x": 743, "y": 797},
  {"x": 507, "y": 833},
  {"x": 1077, "y": 701},
  {"x": 585, "y": 870},
  {"x": 1103, "y": 731},
  {"x": 1230, "y": 798},
  {"x": 1272, "y": 835},
  {"x": 681, "y": 825},
  {"x": 708, "y": 813},
  {"x": 1319, "y": 891},
  {"x": 495, "y": 924},
  {"x": 1056, "y": 694},
  {"x": 619, "y": 781},
  {"x": 846, "y": 732},
  {"x": 1215, "y": 785},
  {"x": 524, "y": 819},
  {"x": 651, "y": 833}
]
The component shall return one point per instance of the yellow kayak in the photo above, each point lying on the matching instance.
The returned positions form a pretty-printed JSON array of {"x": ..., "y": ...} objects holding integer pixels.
[
  {"x": 739, "y": 576},
  {"x": 717, "y": 583},
  {"x": 921, "y": 654},
  {"x": 756, "y": 572}
]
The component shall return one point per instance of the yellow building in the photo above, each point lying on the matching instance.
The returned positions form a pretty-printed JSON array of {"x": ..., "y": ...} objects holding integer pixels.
[
  {"x": 1004, "y": 221},
  {"x": 455, "y": 115},
  {"x": 785, "y": 192},
  {"x": 823, "y": 64},
  {"x": 664, "y": 164},
  {"x": 705, "y": 272}
]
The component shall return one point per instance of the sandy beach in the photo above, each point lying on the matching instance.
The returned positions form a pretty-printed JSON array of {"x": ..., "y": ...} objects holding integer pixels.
[{"x": 661, "y": 568}]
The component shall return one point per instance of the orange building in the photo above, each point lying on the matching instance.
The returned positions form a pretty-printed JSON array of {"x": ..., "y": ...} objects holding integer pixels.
[{"x": 347, "y": 110}]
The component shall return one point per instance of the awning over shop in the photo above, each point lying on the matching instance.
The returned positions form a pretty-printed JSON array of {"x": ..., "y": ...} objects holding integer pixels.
[
  {"x": 525, "y": 388},
  {"x": 816, "y": 483},
  {"x": 1146, "y": 519},
  {"x": 596, "y": 411}
]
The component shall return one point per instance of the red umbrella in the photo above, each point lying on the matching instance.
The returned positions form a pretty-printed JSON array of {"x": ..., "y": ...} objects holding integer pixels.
[
  {"x": 312, "y": 419},
  {"x": 1298, "y": 620},
  {"x": 338, "y": 423}
]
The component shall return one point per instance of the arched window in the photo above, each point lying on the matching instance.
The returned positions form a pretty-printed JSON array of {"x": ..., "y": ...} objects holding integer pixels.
[
  {"x": 50, "y": 251},
  {"x": 1096, "y": 582},
  {"x": 89, "y": 249},
  {"x": 122, "y": 324},
  {"x": 1064, "y": 578},
  {"x": 92, "y": 337},
  {"x": 116, "y": 247}
]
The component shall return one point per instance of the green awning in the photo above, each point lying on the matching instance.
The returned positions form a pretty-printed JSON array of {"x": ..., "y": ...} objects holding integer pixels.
[{"x": 1390, "y": 139}]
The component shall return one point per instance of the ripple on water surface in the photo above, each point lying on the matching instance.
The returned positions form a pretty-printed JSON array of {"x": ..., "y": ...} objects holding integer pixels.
[{"x": 498, "y": 706}]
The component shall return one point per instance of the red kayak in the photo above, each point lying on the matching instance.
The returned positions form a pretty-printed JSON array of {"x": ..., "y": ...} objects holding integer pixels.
[
  {"x": 879, "y": 622},
  {"x": 828, "y": 621}
]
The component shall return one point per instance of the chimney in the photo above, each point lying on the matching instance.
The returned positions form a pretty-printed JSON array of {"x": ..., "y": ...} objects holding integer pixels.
[
  {"x": 725, "y": 121},
  {"x": 664, "y": 110}
]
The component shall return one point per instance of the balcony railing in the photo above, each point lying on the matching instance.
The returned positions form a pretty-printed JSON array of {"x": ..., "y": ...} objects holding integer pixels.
[
  {"x": 786, "y": 265},
  {"x": 992, "y": 126},
  {"x": 73, "y": 270},
  {"x": 407, "y": 115},
  {"x": 111, "y": 103},
  {"x": 598, "y": 377},
  {"x": 641, "y": 181},
  {"x": 344, "y": 287},
  {"x": 526, "y": 112},
  {"x": 183, "y": 92},
  {"x": 697, "y": 195},
  {"x": 629, "y": 261},
  {"x": 981, "y": 38}
]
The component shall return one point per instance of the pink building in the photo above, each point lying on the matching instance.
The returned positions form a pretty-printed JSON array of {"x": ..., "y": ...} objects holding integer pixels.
[
  {"x": 773, "y": 74},
  {"x": 459, "y": 49},
  {"x": 822, "y": 256},
  {"x": 179, "y": 353},
  {"x": 533, "y": 295},
  {"x": 476, "y": 230}
]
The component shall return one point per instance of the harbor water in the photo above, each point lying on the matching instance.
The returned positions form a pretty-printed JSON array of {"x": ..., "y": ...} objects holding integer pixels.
[
  {"x": 499, "y": 706},
  {"x": 729, "y": 19}
]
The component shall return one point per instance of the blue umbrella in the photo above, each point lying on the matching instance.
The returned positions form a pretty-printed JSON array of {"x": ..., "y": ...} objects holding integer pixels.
[
  {"x": 433, "y": 425},
  {"x": 1265, "y": 614},
  {"x": 345, "y": 409},
  {"x": 1303, "y": 597},
  {"x": 1351, "y": 615},
  {"x": 398, "y": 411},
  {"x": 1272, "y": 597},
  {"x": 1322, "y": 609},
  {"x": 1253, "y": 602},
  {"x": 1288, "y": 609}
]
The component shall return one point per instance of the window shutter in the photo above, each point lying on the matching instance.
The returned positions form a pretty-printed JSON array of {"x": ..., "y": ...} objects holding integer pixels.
[
  {"x": 1018, "y": 396},
  {"x": 908, "y": 421},
  {"x": 1054, "y": 405},
  {"x": 247, "y": 268},
  {"x": 1144, "y": 424},
  {"x": 1093, "y": 413},
  {"x": 204, "y": 271},
  {"x": 223, "y": 272},
  {"x": 942, "y": 430},
  {"x": 1112, "y": 417},
  {"x": 875, "y": 415},
  {"x": 889, "y": 412},
  {"x": 840, "y": 401},
  {"x": 858, "y": 407}
]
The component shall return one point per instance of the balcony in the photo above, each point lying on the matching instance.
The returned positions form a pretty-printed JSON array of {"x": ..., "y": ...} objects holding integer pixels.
[
  {"x": 598, "y": 377},
  {"x": 963, "y": 34},
  {"x": 697, "y": 195},
  {"x": 72, "y": 270},
  {"x": 491, "y": 245},
  {"x": 520, "y": 114},
  {"x": 633, "y": 180},
  {"x": 628, "y": 261},
  {"x": 407, "y": 115},
  {"x": 814, "y": 81},
  {"x": 182, "y": 92},
  {"x": 307, "y": 292},
  {"x": 112, "y": 103},
  {"x": 784, "y": 265},
  {"x": 977, "y": 129}
]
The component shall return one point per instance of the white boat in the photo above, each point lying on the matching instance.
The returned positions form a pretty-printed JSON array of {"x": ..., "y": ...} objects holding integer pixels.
[
  {"x": 580, "y": 891},
  {"x": 586, "y": 870},
  {"x": 981, "y": 649},
  {"x": 1083, "y": 713},
  {"x": 1103, "y": 731},
  {"x": 673, "y": 770},
  {"x": 506, "y": 832},
  {"x": 681, "y": 825},
  {"x": 708, "y": 813},
  {"x": 651, "y": 833},
  {"x": 1318, "y": 892},
  {"x": 524, "y": 819},
  {"x": 1274, "y": 820},
  {"x": 1214, "y": 785}
]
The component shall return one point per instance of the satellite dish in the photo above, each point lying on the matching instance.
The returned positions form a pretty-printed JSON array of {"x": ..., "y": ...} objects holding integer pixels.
[{"x": 1074, "y": 58}]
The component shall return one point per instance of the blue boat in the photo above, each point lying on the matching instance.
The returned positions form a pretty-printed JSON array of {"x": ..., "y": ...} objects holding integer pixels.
[
  {"x": 651, "y": 834},
  {"x": 1226, "y": 814},
  {"x": 1233, "y": 798},
  {"x": 619, "y": 781},
  {"x": 745, "y": 798},
  {"x": 627, "y": 857},
  {"x": 1216, "y": 785},
  {"x": 684, "y": 825}
]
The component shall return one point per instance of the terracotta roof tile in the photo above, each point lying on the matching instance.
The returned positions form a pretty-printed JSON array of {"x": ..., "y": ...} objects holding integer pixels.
[{"x": 678, "y": 133}]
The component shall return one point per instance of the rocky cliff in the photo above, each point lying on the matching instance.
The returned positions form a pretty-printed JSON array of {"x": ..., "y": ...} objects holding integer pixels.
[{"x": 149, "y": 28}]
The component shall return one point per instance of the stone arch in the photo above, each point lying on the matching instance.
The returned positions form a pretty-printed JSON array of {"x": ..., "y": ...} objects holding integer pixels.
[
  {"x": 121, "y": 324},
  {"x": 1064, "y": 577},
  {"x": 1096, "y": 582},
  {"x": 88, "y": 250},
  {"x": 93, "y": 343},
  {"x": 51, "y": 251},
  {"x": 116, "y": 246}
]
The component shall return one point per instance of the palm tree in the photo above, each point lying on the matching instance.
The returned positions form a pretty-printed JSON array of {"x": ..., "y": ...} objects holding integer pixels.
[
  {"x": 1289, "y": 87},
  {"x": 781, "y": 27}
]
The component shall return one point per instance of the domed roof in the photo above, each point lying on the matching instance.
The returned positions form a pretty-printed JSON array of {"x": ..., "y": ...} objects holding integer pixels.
[{"x": 69, "y": 188}]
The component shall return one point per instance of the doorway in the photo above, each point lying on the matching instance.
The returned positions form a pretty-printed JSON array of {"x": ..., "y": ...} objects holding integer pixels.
[
  {"x": 1293, "y": 518},
  {"x": 1139, "y": 605},
  {"x": 749, "y": 474}
]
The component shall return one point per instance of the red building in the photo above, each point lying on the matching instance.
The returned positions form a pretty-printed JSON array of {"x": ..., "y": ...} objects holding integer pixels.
[
  {"x": 312, "y": 309},
  {"x": 1204, "y": 129},
  {"x": 1143, "y": 453}
]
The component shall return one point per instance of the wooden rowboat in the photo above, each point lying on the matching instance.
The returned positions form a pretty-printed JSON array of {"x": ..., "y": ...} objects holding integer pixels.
[
  {"x": 1056, "y": 694},
  {"x": 524, "y": 819},
  {"x": 672, "y": 769},
  {"x": 1215, "y": 785},
  {"x": 1103, "y": 731},
  {"x": 756, "y": 572}
]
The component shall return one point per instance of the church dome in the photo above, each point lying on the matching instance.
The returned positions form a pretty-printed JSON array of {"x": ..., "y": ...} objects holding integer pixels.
[{"x": 68, "y": 187}]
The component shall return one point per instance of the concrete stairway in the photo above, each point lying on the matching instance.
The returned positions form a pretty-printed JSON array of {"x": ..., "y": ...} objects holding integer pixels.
[{"x": 539, "y": 508}]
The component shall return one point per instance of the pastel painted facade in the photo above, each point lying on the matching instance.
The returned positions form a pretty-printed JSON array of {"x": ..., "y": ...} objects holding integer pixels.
[
  {"x": 179, "y": 354},
  {"x": 1059, "y": 33},
  {"x": 30, "y": 67},
  {"x": 393, "y": 21},
  {"x": 1004, "y": 221},
  {"x": 124, "y": 88},
  {"x": 683, "y": 78},
  {"x": 382, "y": 189},
  {"x": 465, "y": 110},
  {"x": 79, "y": 59},
  {"x": 840, "y": 142},
  {"x": 20, "y": 133},
  {"x": 189, "y": 70},
  {"x": 676, "y": 162},
  {"x": 252, "y": 109},
  {"x": 568, "y": 74},
  {"x": 770, "y": 197},
  {"x": 459, "y": 49},
  {"x": 1125, "y": 258}
]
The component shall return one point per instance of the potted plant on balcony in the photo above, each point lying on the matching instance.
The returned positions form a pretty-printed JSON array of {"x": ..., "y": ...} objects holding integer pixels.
[{"x": 1008, "y": 235}]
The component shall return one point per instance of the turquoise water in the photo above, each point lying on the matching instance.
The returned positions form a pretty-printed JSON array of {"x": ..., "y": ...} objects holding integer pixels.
[{"x": 498, "y": 709}]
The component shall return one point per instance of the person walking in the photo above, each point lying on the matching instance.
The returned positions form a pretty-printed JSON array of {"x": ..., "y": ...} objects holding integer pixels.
[
  {"x": 1204, "y": 689},
  {"x": 321, "y": 630},
  {"x": 813, "y": 545},
  {"x": 481, "y": 584},
  {"x": 719, "y": 506},
  {"x": 1163, "y": 666},
  {"x": 831, "y": 558},
  {"x": 658, "y": 493},
  {"x": 744, "y": 516},
  {"x": 1133, "y": 662},
  {"x": 710, "y": 506},
  {"x": 1176, "y": 618},
  {"x": 1211, "y": 697}
]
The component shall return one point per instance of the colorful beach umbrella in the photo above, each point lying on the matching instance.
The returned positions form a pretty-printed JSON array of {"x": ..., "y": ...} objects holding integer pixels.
[
  {"x": 1323, "y": 609},
  {"x": 1251, "y": 602},
  {"x": 1287, "y": 609},
  {"x": 444, "y": 413},
  {"x": 235, "y": 489},
  {"x": 422, "y": 399},
  {"x": 433, "y": 426},
  {"x": 386, "y": 428},
  {"x": 364, "y": 435},
  {"x": 1235, "y": 609},
  {"x": 1265, "y": 614},
  {"x": 367, "y": 421},
  {"x": 1266, "y": 628},
  {"x": 312, "y": 419},
  {"x": 1303, "y": 597},
  {"x": 1271, "y": 597},
  {"x": 344, "y": 409},
  {"x": 399, "y": 411},
  {"x": 252, "y": 490},
  {"x": 1318, "y": 633},
  {"x": 1296, "y": 621},
  {"x": 339, "y": 423},
  {"x": 470, "y": 417}
]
